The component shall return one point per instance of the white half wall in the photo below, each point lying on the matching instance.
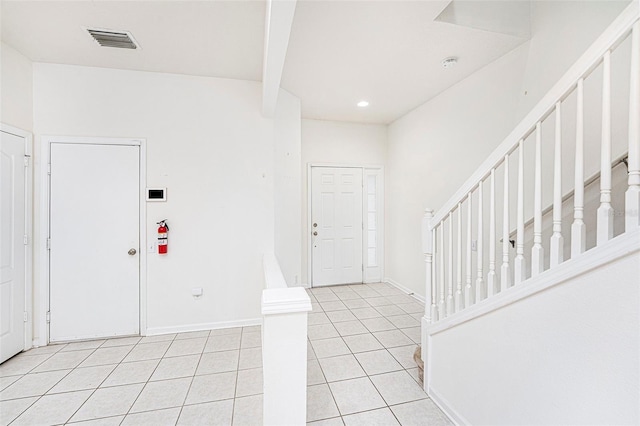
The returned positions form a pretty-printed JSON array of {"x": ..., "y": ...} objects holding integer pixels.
[
  {"x": 16, "y": 87},
  {"x": 208, "y": 143},
  {"x": 287, "y": 187},
  {"x": 339, "y": 143},
  {"x": 566, "y": 355}
]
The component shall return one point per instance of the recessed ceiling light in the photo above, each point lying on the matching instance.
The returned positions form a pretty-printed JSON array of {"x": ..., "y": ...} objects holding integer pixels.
[
  {"x": 363, "y": 104},
  {"x": 449, "y": 62}
]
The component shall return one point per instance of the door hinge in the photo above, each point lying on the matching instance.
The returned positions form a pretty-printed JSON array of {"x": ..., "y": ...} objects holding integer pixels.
[
  {"x": 26, "y": 161},
  {"x": 25, "y": 239},
  {"x": 363, "y": 267},
  {"x": 49, "y": 169},
  {"x": 25, "y": 316},
  {"x": 48, "y": 243},
  {"x": 48, "y": 317}
]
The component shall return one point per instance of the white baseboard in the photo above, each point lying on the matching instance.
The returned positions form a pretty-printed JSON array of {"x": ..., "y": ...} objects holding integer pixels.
[
  {"x": 36, "y": 343},
  {"x": 153, "y": 331},
  {"x": 455, "y": 417},
  {"x": 404, "y": 289}
]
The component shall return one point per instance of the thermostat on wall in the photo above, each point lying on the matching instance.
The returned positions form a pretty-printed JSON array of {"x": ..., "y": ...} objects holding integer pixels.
[{"x": 156, "y": 194}]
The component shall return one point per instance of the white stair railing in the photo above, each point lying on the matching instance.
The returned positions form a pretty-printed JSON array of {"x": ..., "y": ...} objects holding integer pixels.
[{"x": 438, "y": 229}]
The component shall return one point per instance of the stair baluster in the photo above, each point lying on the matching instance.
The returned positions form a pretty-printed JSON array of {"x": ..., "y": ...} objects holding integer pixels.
[
  {"x": 479, "y": 275},
  {"x": 519, "y": 261},
  {"x": 557, "y": 241},
  {"x": 578, "y": 228},
  {"x": 604, "y": 230}
]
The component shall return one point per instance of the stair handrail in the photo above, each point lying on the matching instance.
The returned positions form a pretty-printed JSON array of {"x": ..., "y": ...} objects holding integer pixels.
[{"x": 582, "y": 68}]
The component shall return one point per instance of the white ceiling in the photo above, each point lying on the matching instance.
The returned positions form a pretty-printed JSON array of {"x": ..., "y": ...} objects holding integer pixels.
[
  {"x": 387, "y": 52},
  {"x": 207, "y": 38}
]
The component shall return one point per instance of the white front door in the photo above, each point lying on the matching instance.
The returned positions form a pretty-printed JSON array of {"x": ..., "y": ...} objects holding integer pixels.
[
  {"x": 336, "y": 225},
  {"x": 12, "y": 244},
  {"x": 94, "y": 231}
]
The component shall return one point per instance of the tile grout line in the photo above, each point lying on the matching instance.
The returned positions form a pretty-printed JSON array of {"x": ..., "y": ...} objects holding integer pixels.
[
  {"x": 45, "y": 393},
  {"x": 151, "y": 375},
  {"x": 328, "y": 384},
  {"x": 192, "y": 377},
  {"x": 103, "y": 380},
  {"x": 235, "y": 388},
  {"x": 122, "y": 361},
  {"x": 94, "y": 350}
]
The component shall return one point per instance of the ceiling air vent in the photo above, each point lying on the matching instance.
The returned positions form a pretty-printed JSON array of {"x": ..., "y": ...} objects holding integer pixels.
[{"x": 119, "y": 39}]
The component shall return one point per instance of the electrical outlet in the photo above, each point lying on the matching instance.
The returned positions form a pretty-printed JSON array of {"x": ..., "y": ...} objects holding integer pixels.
[{"x": 151, "y": 247}]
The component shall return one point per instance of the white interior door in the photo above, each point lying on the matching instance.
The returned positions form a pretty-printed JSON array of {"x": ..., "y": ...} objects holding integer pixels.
[
  {"x": 12, "y": 244},
  {"x": 336, "y": 230},
  {"x": 94, "y": 231}
]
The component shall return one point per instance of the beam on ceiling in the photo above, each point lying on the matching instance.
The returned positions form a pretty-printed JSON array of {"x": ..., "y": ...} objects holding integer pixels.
[{"x": 279, "y": 18}]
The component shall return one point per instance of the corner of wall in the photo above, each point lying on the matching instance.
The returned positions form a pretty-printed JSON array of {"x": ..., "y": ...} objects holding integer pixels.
[
  {"x": 16, "y": 108},
  {"x": 287, "y": 190}
]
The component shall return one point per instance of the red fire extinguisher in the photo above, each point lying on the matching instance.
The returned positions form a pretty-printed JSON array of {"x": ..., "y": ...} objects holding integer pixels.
[{"x": 163, "y": 236}]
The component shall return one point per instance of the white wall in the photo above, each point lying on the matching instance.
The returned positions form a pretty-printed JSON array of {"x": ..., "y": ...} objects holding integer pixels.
[
  {"x": 16, "y": 89},
  {"x": 341, "y": 144},
  {"x": 435, "y": 148},
  {"x": 566, "y": 355},
  {"x": 209, "y": 145},
  {"x": 287, "y": 187},
  {"x": 561, "y": 31}
]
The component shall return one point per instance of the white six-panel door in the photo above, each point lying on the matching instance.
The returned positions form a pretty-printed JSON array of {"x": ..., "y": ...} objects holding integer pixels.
[
  {"x": 94, "y": 231},
  {"x": 12, "y": 244},
  {"x": 336, "y": 230}
]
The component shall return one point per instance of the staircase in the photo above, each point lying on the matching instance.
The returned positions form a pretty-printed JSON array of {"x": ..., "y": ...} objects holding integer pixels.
[{"x": 532, "y": 290}]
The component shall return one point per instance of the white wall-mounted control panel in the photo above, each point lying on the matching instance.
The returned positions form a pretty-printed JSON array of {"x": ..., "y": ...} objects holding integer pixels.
[{"x": 156, "y": 194}]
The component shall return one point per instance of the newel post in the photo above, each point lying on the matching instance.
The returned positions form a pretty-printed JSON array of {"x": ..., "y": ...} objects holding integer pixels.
[
  {"x": 430, "y": 312},
  {"x": 427, "y": 249}
]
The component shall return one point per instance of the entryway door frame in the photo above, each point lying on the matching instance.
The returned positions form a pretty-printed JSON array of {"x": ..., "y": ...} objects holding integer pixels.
[
  {"x": 367, "y": 170},
  {"x": 28, "y": 248},
  {"x": 43, "y": 282}
]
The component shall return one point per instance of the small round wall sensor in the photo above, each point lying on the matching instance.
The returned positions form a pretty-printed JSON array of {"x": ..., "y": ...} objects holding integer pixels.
[{"x": 449, "y": 62}]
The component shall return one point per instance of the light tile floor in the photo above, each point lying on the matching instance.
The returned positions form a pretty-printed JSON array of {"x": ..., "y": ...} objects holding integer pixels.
[{"x": 360, "y": 371}]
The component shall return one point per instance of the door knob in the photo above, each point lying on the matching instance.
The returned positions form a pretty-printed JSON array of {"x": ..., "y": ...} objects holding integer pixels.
[
  {"x": 315, "y": 233},
  {"x": 132, "y": 252}
]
